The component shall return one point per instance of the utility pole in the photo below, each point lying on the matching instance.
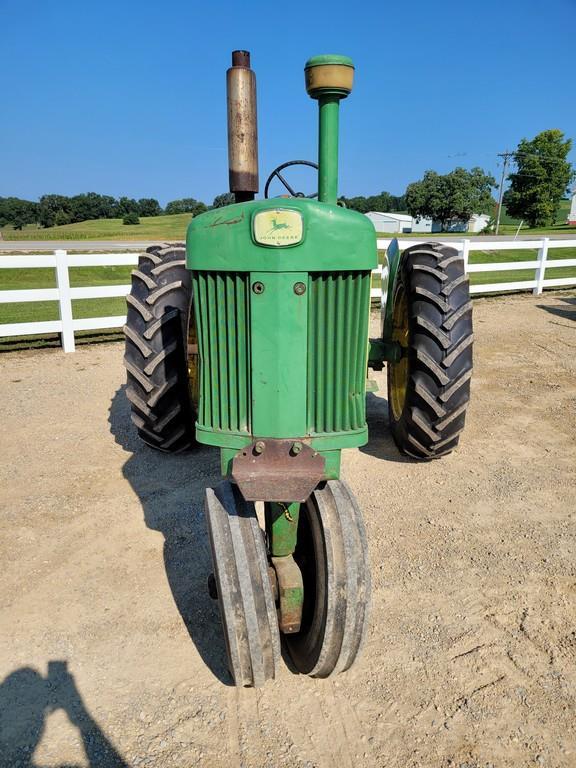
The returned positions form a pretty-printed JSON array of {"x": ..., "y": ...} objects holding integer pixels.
[{"x": 506, "y": 155}]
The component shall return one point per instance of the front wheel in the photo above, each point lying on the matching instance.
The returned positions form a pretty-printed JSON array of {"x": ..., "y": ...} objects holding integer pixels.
[
  {"x": 429, "y": 387},
  {"x": 332, "y": 554}
]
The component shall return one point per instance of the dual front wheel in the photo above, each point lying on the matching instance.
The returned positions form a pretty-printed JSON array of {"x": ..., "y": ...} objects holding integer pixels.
[{"x": 332, "y": 555}]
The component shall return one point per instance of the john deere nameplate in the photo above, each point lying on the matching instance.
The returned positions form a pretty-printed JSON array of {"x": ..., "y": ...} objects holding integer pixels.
[{"x": 278, "y": 227}]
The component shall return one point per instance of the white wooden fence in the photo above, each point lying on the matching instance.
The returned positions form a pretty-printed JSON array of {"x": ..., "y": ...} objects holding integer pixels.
[
  {"x": 61, "y": 261},
  {"x": 539, "y": 265}
]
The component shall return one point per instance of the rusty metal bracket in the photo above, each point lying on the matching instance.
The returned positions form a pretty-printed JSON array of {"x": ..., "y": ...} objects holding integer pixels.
[
  {"x": 277, "y": 470},
  {"x": 290, "y": 594}
]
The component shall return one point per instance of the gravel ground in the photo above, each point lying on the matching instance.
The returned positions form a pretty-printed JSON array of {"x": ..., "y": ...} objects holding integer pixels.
[{"x": 111, "y": 651}]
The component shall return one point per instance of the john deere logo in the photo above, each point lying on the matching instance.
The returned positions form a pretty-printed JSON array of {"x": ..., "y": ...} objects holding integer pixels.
[{"x": 278, "y": 227}]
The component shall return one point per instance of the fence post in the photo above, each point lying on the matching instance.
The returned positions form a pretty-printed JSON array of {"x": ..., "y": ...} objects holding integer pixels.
[
  {"x": 64, "y": 300},
  {"x": 465, "y": 253},
  {"x": 541, "y": 268}
]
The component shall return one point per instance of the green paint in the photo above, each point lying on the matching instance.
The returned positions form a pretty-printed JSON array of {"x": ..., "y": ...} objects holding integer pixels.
[
  {"x": 282, "y": 527},
  {"x": 332, "y": 464},
  {"x": 335, "y": 238},
  {"x": 339, "y": 305},
  {"x": 328, "y": 109},
  {"x": 279, "y": 329},
  {"x": 226, "y": 458},
  {"x": 393, "y": 261},
  {"x": 329, "y": 58},
  {"x": 291, "y": 600}
]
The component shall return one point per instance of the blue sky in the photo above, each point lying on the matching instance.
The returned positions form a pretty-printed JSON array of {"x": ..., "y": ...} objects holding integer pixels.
[{"x": 128, "y": 97}]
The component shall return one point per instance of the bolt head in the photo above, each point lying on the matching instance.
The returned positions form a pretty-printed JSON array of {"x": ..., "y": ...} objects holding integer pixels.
[
  {"x": 299, "y": 289},
  {"x": 259, "y": 446}
]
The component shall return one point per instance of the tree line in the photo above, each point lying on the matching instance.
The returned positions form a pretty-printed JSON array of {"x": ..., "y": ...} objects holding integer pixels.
[
  {"x": 541, "y": 179},
  {"x": 54, "y": 210}
]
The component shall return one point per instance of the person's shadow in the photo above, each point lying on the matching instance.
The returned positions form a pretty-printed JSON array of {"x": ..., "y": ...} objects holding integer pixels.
[
  {"x": 171, "y": 491},
  {"x": 26, "y": 698}
]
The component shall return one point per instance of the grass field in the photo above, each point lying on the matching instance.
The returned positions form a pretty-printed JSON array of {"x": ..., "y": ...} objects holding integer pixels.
[{"x": 150, "y": 228}]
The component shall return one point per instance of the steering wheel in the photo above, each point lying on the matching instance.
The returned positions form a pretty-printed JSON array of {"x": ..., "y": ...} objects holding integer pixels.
[{"x": 276, "y": 172}]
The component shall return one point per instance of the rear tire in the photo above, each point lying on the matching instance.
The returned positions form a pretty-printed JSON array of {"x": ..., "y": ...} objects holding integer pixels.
[
  {"x": 156, "y": 359},
  {"x": 429, "y": 388}
]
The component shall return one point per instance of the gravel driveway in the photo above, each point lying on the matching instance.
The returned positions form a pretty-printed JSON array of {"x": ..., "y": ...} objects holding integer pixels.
[{"x": 111, "y": 651}]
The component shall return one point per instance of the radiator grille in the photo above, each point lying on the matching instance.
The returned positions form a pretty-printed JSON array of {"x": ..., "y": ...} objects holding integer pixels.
[
  {"x": 222, "y": 315},
  {"x": 337, "y": 350},
  {"x": 338, "y": 306}
]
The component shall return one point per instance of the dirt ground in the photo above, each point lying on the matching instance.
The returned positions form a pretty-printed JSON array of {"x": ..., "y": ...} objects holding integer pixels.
[{"x": 111, "y": 651}]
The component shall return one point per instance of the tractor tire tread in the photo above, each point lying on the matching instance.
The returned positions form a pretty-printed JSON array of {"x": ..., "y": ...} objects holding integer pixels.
[
  {"x": 156, "y": 331},
  {"x": 439, "y": 351}
]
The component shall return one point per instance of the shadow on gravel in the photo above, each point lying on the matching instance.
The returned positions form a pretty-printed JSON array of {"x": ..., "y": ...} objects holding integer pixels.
[
  {"x": 563, "y": 312},
  {"x": 171, "y": 492},
  {"x": 380, "y": 443},
  {"x": 26, "y": 698}
]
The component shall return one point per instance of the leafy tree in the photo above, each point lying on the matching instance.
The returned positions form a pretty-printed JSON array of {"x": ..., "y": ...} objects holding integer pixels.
[
  {"x": 227, "y": 198},
  {"x": 384, "y": 202},
  {"x": 456, "y": 195},
  {"x": 17, "y": 212},
  {"x": 541, "y": 180},
  {"x": 358, "y": 203},
  {"x": 61, "y": 217},
  {"x": 125, "y": 206},
  {"x": 185, "y": 205},
  {"x": 131, "y": 218},
  {"x": 49, "y": 206},
  {"x": 91, "y": 205},
  {"x": 148, "y": 206}
]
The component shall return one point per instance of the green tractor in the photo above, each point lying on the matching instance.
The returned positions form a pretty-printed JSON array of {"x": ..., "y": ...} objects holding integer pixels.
[{"x": 254, "y": 337}]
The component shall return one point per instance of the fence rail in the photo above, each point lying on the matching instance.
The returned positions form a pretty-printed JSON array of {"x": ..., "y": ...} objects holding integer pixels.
[
  {"x": 61, "y": 261},
  {"x": 539, "y": 265}
]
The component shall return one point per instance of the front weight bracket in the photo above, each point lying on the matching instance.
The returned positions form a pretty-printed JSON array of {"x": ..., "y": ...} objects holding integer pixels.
[{"x": 290, "y": 594}]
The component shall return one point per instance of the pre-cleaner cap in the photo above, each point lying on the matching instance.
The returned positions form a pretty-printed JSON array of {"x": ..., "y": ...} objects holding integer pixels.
[{"x": 329, "y": 74}]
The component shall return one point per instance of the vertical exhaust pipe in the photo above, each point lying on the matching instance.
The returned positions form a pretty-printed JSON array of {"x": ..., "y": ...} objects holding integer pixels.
[{"x": 242, "y": 127}]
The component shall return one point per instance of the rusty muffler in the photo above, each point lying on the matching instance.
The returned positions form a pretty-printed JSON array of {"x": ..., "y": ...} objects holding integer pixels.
[{"x": 242, "y": 127}]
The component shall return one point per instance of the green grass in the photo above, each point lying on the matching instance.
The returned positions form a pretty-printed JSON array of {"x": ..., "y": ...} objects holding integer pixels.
[
  {"x": 513, "y": 275},
  {"x": 21, "y": 279},
  {"x": 150, "y": 228}
]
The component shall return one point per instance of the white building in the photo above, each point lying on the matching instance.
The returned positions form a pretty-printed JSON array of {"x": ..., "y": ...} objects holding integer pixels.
[
  {"x": 402, "y": 223},
  {"x": 571, "y": 220},
  {"x": 390, "y": 222},
  {"x": 426, "y": 225},
  {"x": 476, "y": 223}
]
